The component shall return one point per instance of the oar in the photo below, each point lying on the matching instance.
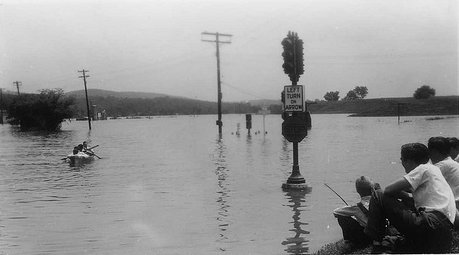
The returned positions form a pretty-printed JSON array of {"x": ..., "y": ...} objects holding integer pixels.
[
  {"x": 93, "y": 152},
  {"x": 96, "y": 155},
  {"x": 92, "y": 147},
  {"x": 335, "y": 193}
]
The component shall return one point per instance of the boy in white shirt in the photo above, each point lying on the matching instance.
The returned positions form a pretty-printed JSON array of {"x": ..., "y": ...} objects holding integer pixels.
[
  {"x": 426, "y": 226},
  {"x": 353, "y": 219},
  {"x": 439, "y": 148},
  {"x": 439, "y": 154}
]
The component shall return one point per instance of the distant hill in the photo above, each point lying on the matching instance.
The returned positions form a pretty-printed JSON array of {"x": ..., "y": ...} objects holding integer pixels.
[
  {"x": 267, "y": 102},
  {"x": 141, "y": 103},
  {"x": 116, "y": 104},
  {"x": 108, "y": 93}
]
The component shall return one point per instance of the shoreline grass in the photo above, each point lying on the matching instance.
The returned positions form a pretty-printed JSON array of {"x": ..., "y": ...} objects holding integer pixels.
[{"x": 340, "y": 247}]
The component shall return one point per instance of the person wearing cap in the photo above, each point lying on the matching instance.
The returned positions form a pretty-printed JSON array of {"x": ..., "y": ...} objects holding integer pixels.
[
  {"x": 426, "y": 226},
  {"x": 353, "y": 219}
]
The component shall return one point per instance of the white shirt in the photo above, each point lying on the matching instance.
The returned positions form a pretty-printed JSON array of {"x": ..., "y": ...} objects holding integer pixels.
[
  {"x": 450, "y": 170},
  {"x": 355, "y": 212},
  {"x": 431, "y": 191}
]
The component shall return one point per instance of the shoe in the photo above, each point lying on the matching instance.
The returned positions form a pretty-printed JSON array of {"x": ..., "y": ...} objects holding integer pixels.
[{"x": 382, "y": 247}]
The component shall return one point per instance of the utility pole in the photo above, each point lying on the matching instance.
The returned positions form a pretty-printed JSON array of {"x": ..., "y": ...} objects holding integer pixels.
[
  {"x": 219, "y": 95},
  {"x": 84, "y": 76},
  {"x": 1, "y": 106},
  {"x": 17, "y": 84}
]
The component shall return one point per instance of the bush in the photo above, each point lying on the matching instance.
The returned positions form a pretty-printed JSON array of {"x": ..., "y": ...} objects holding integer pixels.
[
  {"x": 351, "y": 95},
  {"x": 424, "y": 92},
  {"x": 44, "y": 111},
  {"x": 332, "y": 96}
]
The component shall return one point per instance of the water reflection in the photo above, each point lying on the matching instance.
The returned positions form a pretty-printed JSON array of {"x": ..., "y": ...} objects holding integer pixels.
[
  {"x": 297, "y": 244},
  {"x": 223, "y": 192}
]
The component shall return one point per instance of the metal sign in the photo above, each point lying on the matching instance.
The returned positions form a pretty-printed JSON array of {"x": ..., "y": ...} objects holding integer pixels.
[
  {"x": 294, "y": 98},
  {"x": 294, "y": 129}
]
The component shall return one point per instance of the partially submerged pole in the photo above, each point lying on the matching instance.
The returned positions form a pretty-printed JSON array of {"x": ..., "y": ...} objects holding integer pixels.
[
  {"x": 219, "y": 95},
  {"x": 1, "y": 106},
  {"x": 86, "y": 93}
]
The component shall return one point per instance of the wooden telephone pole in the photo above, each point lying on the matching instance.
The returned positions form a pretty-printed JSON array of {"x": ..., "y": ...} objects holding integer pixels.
[
  {"x": 84, "y": 76},
  {"x": 1, "y": 106},
  {"x": 17, "y": 84},
  {"x": 219, "y": 96}
]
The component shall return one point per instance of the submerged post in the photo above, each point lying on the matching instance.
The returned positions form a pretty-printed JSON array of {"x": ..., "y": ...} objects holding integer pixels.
[
  {"x": 294, "y": 127},
  {"x": 219, "y": 91},
  {"x": 86, "y": 93},
  {"x": 1, "y": 106}
]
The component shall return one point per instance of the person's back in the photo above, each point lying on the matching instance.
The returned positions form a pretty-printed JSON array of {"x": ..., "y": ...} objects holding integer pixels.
[
  {"x": 353, "y": 219},
  {"x": 439, "y": 148},
  {"x": 450, "y": 170}
]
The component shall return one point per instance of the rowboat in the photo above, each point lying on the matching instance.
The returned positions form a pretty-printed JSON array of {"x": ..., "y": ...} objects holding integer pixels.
[{"x": 79, "y": 158}]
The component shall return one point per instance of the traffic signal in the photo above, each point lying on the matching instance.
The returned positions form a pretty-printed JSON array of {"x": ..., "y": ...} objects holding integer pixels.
[
  {"x": 293, "y": 56},
  {"x": 248, "y": 121},
  {"x": 299, "y": 57},
  {"x": 288, "y": 55}
]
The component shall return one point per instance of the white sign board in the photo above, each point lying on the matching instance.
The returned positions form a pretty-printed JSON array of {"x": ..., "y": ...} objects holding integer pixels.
[{"x": 293, "y": 98}]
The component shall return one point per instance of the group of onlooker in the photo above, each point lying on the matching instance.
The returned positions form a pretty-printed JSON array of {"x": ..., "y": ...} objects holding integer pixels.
[{"x": 420, "y": 209}]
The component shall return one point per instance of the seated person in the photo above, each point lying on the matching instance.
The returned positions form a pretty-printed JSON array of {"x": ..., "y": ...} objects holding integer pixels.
[
  {"x": 439, "y": 148},
  {"x": 75, "y": 150},
  {"x": 454, "y": 148},
  {"x": 86, "y": 150},
  {"x": 426, "y": 226},
  {"x": 353, "y": 219}
]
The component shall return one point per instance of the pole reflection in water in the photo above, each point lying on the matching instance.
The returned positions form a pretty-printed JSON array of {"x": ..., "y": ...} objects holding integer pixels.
[
  {"x": 223, "y": 192},
  {"x": 297, "y": 244}
]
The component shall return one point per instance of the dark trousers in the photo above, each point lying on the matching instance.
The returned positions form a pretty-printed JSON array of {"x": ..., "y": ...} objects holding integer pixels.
[
  {"x": 352, "y": 231},
  {"x": 427, "y": 232}
]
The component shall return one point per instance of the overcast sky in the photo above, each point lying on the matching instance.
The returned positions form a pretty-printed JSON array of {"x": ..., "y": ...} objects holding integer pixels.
[{"x": 390, "y": 46}]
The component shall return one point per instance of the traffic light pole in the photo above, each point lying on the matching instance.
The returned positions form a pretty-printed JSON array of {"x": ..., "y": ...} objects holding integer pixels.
[
  {"x": 219, "y": 90},
  {"x": 293, "y": 66},
  {"x": 295, "y": 177}
]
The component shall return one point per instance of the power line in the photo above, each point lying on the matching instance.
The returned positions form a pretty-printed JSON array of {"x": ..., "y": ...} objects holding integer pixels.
[{"x": 242, "y": 91}]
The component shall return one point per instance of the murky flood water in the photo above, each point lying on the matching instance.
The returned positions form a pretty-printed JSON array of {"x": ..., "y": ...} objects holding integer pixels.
[{"x": 169, "y": 185}]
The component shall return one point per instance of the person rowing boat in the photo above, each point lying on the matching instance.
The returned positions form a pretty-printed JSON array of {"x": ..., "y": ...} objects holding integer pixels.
[
  {"x": 78, "y": 157},
  {"x": 89, "y": 151},
  {"x": 81, "y": 153}
]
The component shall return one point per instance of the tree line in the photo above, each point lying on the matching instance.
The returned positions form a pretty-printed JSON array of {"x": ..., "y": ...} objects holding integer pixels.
[
  {"x": 50, "y": 107},
  {"x": 360, "y": 92}
]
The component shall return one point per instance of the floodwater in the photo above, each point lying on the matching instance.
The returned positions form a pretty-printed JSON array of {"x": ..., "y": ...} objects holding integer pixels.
[{"x": 169, "y": 185}]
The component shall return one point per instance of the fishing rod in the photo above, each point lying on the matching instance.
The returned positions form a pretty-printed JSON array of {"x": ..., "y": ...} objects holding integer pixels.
[{"x": 336, "y": 193}]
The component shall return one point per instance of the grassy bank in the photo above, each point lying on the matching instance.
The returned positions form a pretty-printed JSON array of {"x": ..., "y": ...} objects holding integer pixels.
[
  {"x": 440, "y": 105},
  {"x": 340, "y": 248}
]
